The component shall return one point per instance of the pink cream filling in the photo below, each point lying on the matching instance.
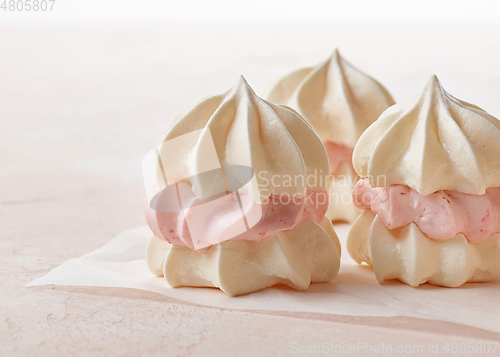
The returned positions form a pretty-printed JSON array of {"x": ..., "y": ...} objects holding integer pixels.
[
  {"x": 337, "y": 154},
  {"x": 205, "y": 222},
  {"x": 440, "y": 215}
]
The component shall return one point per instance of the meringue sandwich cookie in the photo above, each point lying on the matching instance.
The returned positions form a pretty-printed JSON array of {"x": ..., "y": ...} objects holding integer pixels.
[
  {"x": 430, "y": 192},
  {"x": 239, "y": 198},
  {"x": 340, "y": 102}
]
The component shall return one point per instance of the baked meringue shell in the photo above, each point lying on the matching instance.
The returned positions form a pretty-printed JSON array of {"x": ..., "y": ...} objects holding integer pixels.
[
  {"x": 338, "y": 100},
  {"x": 307, "y": 253},
  {"x": 273, "y": 140},
  {"x": 432, "y": 142},
  {"x": 408, "y": 255},
  {"x": 340, "y": 188}
]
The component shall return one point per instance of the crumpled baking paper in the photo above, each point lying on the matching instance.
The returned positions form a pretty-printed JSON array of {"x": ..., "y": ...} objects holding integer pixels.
[{"x": 355, "y": 291}]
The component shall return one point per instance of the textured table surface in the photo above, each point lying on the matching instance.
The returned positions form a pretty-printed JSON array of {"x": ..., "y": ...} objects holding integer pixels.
[{"x": 78, "y": 109}]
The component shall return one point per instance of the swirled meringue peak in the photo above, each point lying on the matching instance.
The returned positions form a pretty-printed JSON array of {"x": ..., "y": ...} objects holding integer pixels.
[
  {"x": 246, "y": 131},
  {"x": 337, "y": 99},
  {"x": 432, "y": 142}
]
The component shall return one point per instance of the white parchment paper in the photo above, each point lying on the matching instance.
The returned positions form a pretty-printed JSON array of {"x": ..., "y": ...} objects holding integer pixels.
[{"x": 355, "y": 291}]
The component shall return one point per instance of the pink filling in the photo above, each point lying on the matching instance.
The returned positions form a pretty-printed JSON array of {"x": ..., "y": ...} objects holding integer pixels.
[
  {"x": 205, "y": 222},
  {"x": 337, "y": 154},
  {"x": 440, "y": 215}
]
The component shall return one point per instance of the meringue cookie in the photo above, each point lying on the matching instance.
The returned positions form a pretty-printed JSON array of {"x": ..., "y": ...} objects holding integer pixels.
[
  {"x": 286, "y": 159},
  {"x": 437, "y": 153},
  {"x": 297, "y": 257},
  {"x": 340, "y": 102},
  {"x": 432, "y": 142},
  {"x": 408, "y": 255}
]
